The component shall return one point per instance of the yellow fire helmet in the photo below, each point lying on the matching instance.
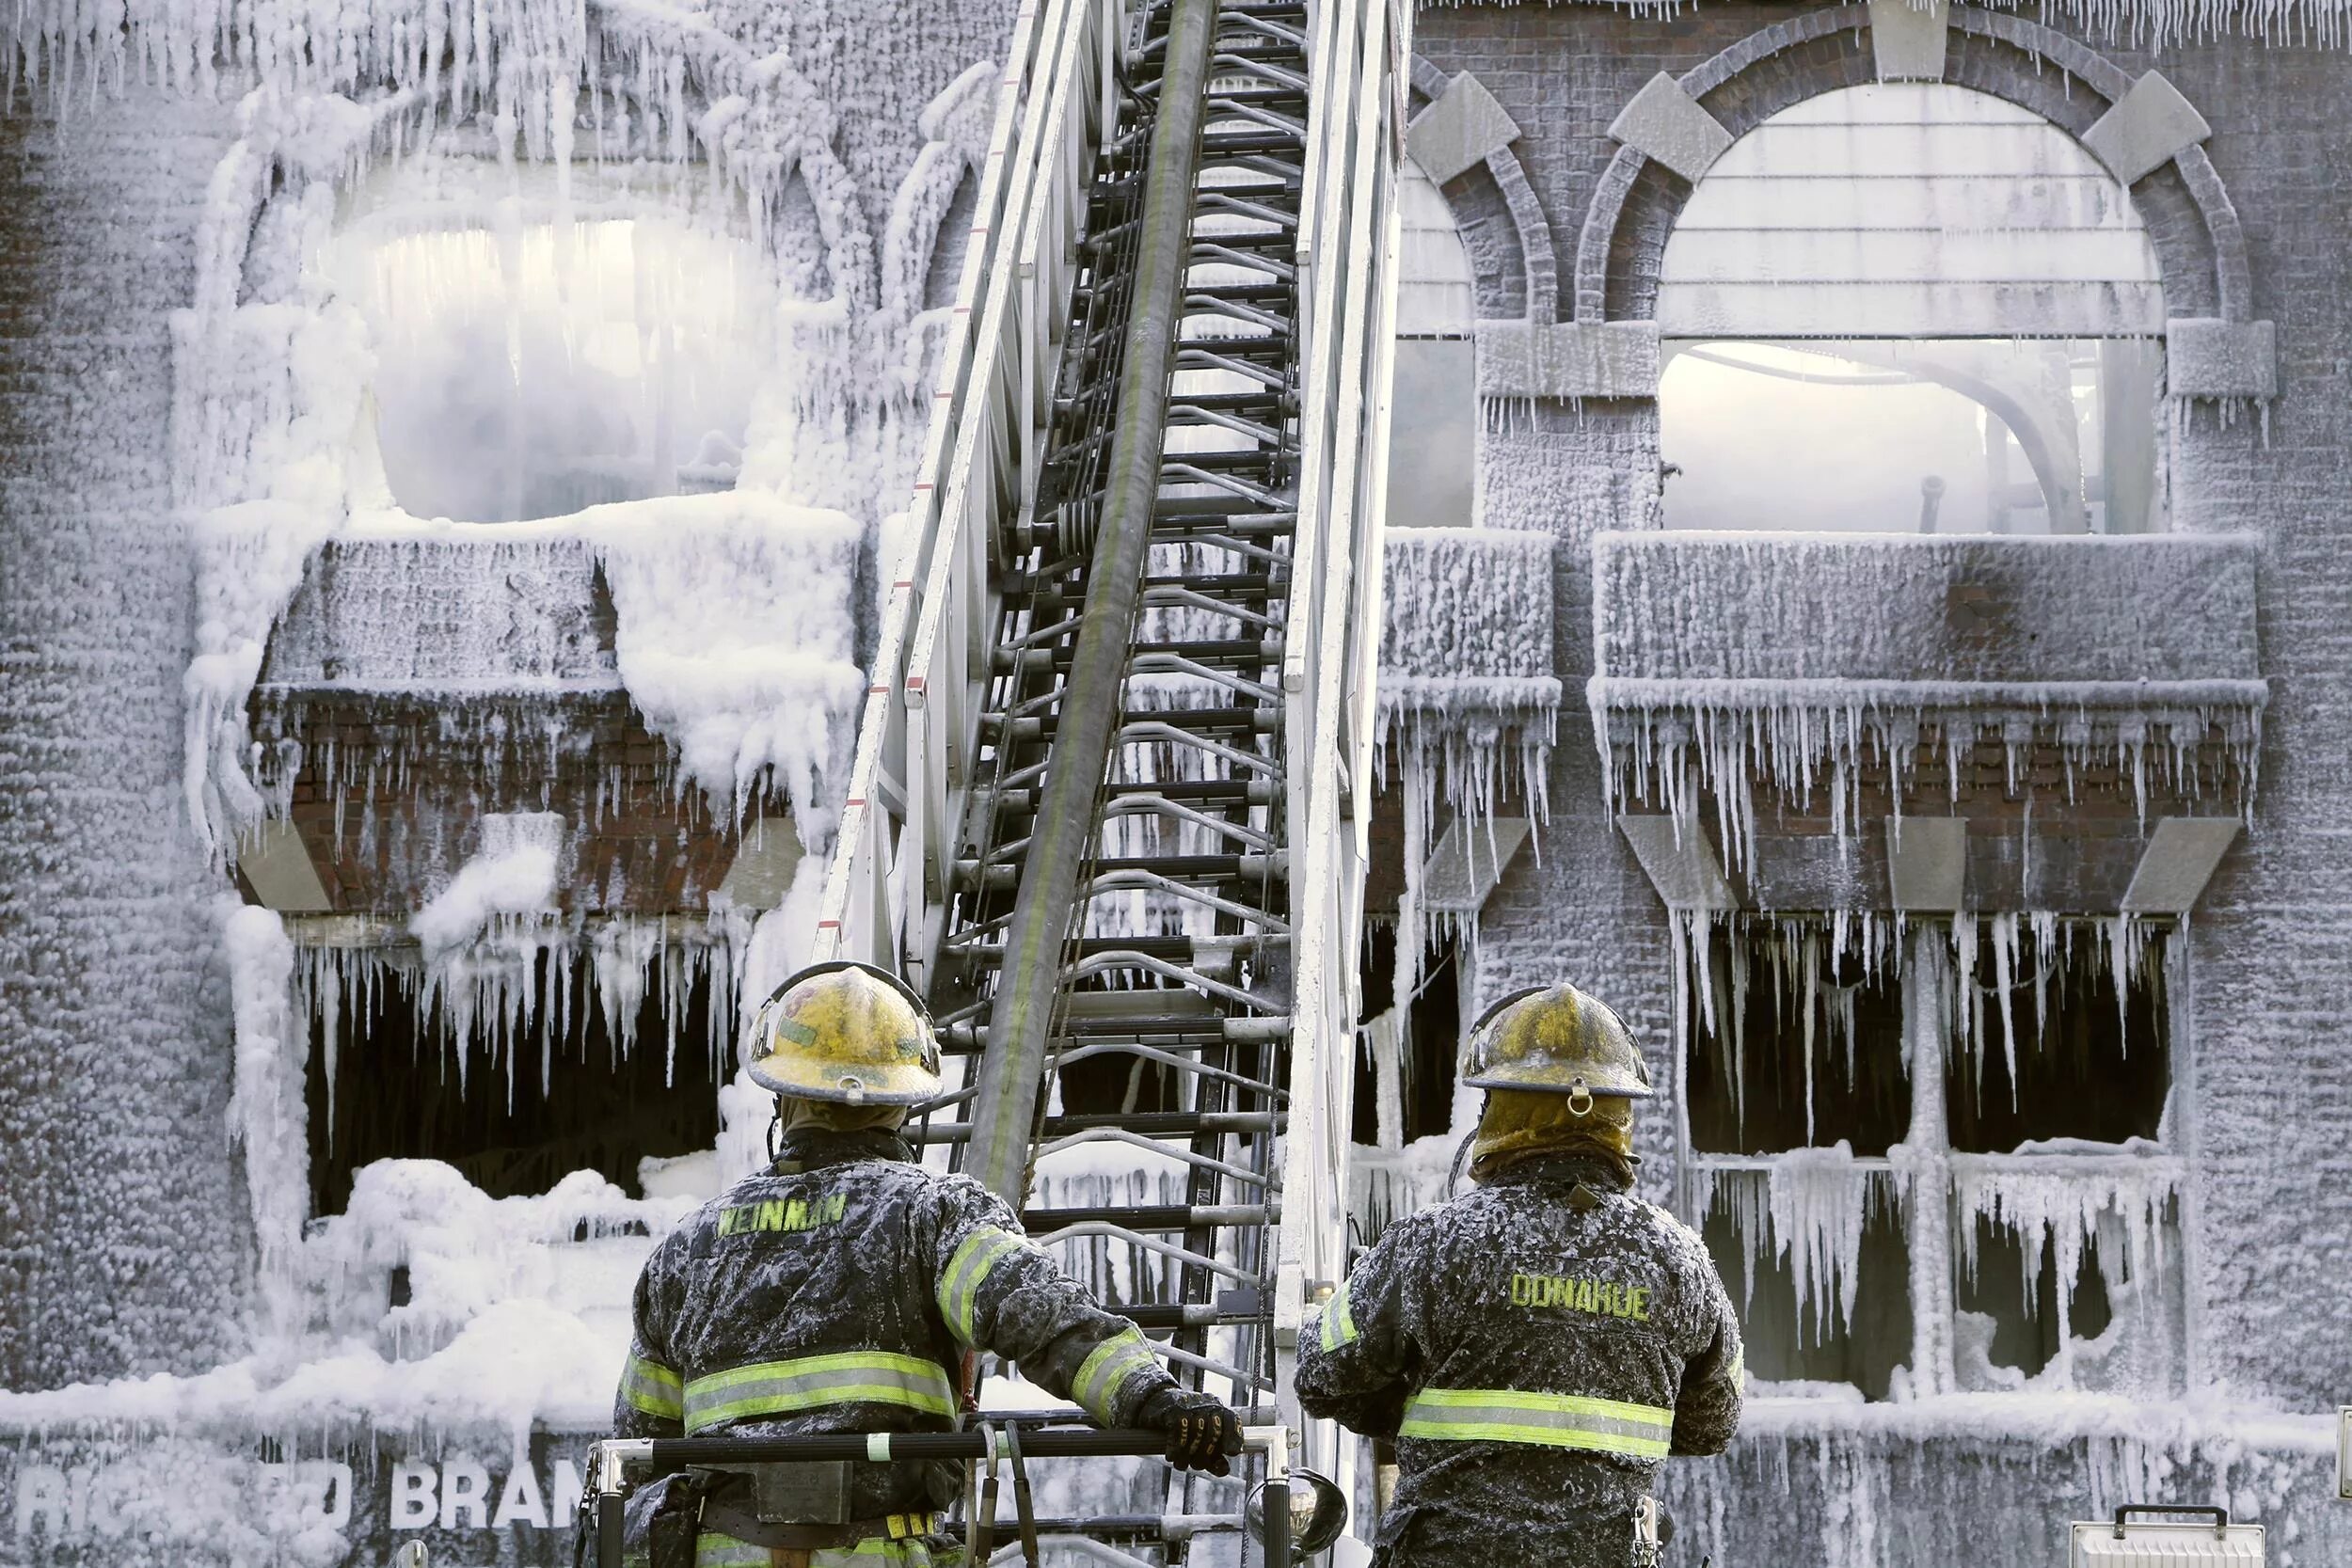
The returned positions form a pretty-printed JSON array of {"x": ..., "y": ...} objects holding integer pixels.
[
  {"x": 1557, "y": 1039},
  {"x": 847, "y": 1033}
]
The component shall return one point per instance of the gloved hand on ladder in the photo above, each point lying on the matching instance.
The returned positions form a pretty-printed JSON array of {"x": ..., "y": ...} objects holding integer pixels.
[{"x": 1201, "y": 1429}]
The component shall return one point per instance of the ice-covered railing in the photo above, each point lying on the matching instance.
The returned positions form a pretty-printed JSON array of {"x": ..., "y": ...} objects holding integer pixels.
[{"x": 1805, "y": 664}]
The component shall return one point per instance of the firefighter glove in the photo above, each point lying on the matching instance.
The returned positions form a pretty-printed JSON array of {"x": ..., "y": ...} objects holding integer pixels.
[{"x": 1201, "y": 1430}]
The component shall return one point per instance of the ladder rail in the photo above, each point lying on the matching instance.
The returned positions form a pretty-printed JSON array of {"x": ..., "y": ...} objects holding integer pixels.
[
  {"x": 887, "y": 882},
  {"x": 1239, "y": 735},
  {"x": 1329, "y": 678}
]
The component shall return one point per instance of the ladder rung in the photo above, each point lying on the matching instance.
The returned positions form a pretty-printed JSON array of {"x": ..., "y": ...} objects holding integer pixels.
[{"x": 1150, "y": 1124}]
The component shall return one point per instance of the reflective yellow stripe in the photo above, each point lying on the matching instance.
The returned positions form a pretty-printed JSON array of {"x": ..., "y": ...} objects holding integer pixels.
[
  {"x": 960, "y": 1285},
  {"x": 849, "y": 1377},
  {"x": 1114, "y": 1362},
  {"x": 652, "y": 1388},
  {"x": 1553, "y": 1420},
  {"x": 713, "y": 1550},
  {"x": 1339, "y": 1324}
]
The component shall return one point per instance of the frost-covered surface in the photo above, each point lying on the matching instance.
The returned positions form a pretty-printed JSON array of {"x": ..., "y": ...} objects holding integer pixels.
[
  {"x": 1469, "y": 697},
  {"x": 1696, "y": 605},
  {"x": 1996, "y": 1477},
  {"x": 2147, "y": 23},
  {"x": 1727, "y": 661}
]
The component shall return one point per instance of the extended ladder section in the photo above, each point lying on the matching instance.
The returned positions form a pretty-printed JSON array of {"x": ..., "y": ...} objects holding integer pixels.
[{"x": 1107, "y": 812}]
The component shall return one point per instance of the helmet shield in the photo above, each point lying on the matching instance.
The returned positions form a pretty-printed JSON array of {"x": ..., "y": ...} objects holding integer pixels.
[
  {"x": 1557, "y": 1039},
  {"x": 847, "y": 1033}
]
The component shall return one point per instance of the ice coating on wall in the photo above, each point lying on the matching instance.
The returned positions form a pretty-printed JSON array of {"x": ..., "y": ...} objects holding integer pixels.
[
  {"x": 268, "y": 1119},
  {"x": 1468, "y": 691},
  {"x": 1680, "y": 744},
  {"x": 1854, "y": 1485}
]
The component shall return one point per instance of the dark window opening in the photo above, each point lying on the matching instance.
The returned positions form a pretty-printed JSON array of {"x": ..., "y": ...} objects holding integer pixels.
[
  {"x": 516, "y": 1121},
  {"x": 2005, "y": 1332},
  {"x": 1431, "y": 1036},
  {"x": 1805, "y": 1047},
  {"x": 2085, "y": 1066},
  {"x": 1117, "y": 1082},
  {"x": 1812, "y": 1342}
]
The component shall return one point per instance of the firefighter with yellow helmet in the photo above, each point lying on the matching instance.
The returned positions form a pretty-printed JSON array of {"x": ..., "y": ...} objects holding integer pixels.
[
  {"x": 1539, "y": 1346},
  {"x": 846, "y": 1289}
]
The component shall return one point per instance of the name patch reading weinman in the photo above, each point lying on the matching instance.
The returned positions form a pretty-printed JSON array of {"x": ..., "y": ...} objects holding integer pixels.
[
  {"x": 1603, "y": 1296},
  {"x": 783, "y": 1214}
]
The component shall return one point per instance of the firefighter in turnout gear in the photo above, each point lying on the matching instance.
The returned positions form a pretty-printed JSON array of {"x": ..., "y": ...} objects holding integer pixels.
[
  {"x": 1537, "y": 1347},
  {"x": 846, "y": 1289}
]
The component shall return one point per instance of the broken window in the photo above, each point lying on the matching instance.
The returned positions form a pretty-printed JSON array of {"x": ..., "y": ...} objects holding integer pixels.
[
  {"x": 530, "y": 374},
  {"x": 1911, "y": 306},
  {"x": 2050, "y": 1051},
  {"x": 1800, "y": 1035},
  {"x": 1405, "y": 1071},
  {"x": 514, "y": 1100},
  {"x": 1433, "y": 432},
  {"x": 1812, "y": 1154}
]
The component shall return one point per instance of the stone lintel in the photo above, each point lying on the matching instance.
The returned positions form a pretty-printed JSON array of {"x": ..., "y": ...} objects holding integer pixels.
[
  {"x": 1680, "y": 860},
  {"x": 1666, "y": 124},
  {"x": 278, "y": 867},
  {"x": 2177, "y": 863},
  {"x": 2209, "y": 359},
  {"x": 1461, "y": 130},
  {"x": 1907, "y": 38},
  {"x": 2151, "y": 126},
  {"x": 1467, "y": 862},
  {"x": 764, "y": 866},
  {"x": 1927, "y": 864},
  {"x": 1568, "y": 360}
]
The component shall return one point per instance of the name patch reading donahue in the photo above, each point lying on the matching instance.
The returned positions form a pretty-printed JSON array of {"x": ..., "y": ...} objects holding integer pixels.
[{"x": 1605, "y": 1297}]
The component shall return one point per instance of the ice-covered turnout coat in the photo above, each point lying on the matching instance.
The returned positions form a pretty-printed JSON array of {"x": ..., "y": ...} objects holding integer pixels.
[
  {"x": 1537, "y": 1348},
  {"x": 840, "y": 1291}
]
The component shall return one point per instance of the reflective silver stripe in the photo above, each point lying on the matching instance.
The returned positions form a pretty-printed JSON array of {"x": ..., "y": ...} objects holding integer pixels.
[
  {"x": 958, "y": 1288},
  {"x": 1099, "y": 1375},
  {"x": 651, "y": 1387},
  {"x": 1553, "y": 1420},
  {"x": 848, "y": 1377},
  {"x": 1339, "y": 1323}
]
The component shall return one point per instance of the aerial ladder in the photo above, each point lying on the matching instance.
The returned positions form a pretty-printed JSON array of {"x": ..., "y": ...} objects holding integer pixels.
[{"x": 1108, "y": 807}]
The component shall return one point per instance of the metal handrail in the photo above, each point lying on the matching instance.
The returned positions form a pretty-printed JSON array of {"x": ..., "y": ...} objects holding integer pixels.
[{"x": 612, "y": 1461}]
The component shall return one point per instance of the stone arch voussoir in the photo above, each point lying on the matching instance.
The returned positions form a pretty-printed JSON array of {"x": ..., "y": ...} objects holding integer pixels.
[{"x": 2139, "y": 128}]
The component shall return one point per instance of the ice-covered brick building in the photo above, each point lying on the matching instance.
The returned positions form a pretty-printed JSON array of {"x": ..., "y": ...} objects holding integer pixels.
[
  {"x": 1860, "y": 596},
  {"x": 1865, "y": 581},
  {"x": 453, "y": 451}
]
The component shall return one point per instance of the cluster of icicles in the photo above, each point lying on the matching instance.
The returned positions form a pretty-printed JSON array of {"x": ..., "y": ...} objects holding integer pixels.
[
  {"x": 1670, "y": 750},
  {"x": 1807, "y": 1208},
  {"x": 512, "y": 988}
]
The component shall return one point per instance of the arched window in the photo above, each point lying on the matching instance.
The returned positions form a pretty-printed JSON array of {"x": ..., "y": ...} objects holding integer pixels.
[
  {"x": 536, "y": 366},
  {"x": 1911, "y": 305},
  {"x": 1433, "y": 429}
]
